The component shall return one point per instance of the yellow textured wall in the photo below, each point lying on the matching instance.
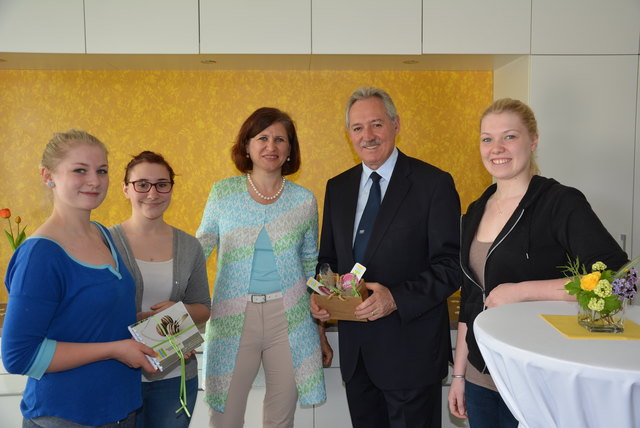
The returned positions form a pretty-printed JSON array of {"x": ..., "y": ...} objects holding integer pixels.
[{"x": 192, "y": 117}]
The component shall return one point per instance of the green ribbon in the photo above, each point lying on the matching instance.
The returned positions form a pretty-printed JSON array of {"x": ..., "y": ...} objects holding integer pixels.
[{"x": 183, "y": 383}]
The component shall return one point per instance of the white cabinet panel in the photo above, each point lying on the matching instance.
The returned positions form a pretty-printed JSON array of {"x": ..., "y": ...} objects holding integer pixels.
[
  {"x": 476, "y": 27},
  {"x": 200, "y": 417},
  {"x": 255, "y": 26},
  {"x": 367, "y": 27},
  {"x": 11, "y": 388},
  {"x": 11, "y": 384},
  {"x": 585, "y": 27},
  {"x": 335, "y": 411},
  {"x": 636, "y": 199},
  {"x": 10, "y": 411},
  {"x": 42, "y": 26},
  {"x": 511, "y": 80},
  {"x": 586, "y": 111},
  {"x": 142, "y": 26}
]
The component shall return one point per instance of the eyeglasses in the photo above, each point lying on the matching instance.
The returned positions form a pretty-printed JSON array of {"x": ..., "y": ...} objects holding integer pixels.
[{"x": 143, "y": 186}]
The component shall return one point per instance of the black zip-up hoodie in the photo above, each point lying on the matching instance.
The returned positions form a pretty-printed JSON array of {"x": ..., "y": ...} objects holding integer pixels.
[{"x": 552, "y": 224}]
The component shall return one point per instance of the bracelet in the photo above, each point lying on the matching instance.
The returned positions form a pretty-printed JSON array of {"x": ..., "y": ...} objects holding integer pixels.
[{"x": 457, "y": 376}]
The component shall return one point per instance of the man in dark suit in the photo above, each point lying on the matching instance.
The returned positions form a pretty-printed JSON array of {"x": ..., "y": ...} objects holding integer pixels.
[{"x": 392, "y": 365}]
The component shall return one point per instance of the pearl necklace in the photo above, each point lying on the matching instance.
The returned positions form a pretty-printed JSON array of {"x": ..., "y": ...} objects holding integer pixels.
[{"x": 267, "y": 198}]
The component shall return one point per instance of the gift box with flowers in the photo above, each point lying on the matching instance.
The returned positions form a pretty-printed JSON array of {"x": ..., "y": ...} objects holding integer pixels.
[{"x": 340, "y": 294}]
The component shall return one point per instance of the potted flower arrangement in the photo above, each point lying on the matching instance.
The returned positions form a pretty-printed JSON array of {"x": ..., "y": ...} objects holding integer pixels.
[{"x": 603, "y": 294}]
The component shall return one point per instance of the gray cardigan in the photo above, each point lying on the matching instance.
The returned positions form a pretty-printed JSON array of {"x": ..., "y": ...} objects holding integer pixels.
[{"x": 190, "y": 283}]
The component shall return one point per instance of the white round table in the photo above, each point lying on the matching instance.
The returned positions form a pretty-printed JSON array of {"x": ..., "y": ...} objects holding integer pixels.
[{"x": 549, "y": 380}]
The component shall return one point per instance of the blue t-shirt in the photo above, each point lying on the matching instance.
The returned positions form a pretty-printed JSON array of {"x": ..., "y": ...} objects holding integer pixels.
[
  {"x": 265, "y": 278},
  {"x": 56, "y": 297}
]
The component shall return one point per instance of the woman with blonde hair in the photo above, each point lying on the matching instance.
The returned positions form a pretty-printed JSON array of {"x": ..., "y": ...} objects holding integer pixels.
[
  {"x": 70, "y": 301},
  {"x": 513, "y": 240}
]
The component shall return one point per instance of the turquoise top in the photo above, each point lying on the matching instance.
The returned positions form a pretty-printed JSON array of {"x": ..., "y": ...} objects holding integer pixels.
[{"x": 264, "y": 273}]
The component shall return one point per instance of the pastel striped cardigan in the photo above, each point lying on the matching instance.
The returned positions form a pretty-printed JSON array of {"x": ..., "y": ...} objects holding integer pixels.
[{"x": 231, "y": 223}]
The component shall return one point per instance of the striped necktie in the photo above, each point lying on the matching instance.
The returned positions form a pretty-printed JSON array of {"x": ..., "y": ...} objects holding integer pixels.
[{"x": 368, "y": 219}]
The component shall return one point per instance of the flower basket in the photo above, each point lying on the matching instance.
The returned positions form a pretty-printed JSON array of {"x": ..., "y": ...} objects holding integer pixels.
[{"x": 343, "y": 307}]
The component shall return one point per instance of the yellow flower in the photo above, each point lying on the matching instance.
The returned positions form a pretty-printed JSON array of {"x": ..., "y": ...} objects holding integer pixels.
[
  {"x": 588, "y": 282},
  {"x": 598, "y": 266}
]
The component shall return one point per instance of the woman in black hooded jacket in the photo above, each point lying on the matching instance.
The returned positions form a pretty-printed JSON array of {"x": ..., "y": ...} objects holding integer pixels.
[{"x": 513, "y": 240}]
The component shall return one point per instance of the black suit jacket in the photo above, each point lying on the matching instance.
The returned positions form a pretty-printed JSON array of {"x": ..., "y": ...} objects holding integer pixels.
[{"x": 414, "y": 252}]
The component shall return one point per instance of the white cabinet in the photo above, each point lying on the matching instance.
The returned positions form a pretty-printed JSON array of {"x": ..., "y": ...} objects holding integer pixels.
[
  {"x": 636, "y": 198},
  {"x": 11, "y": 388},
  {"x": 585, "y": 27},
  {"x": 366, "y": 27},
  {"x": 510, "y": 79},
  {"x": 476, "y": 27},
  {"x": 255, "y": 26},
  {"x": 10, "y": 411},
  {"x": 586, "y": 111},
  {"x": 42, "y": 26},
  {"x": 335, "y": 411},
  {"x": 142, "y": 26}
]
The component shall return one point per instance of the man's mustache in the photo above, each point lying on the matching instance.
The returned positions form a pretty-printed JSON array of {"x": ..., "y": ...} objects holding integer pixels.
[{"x": 369, "y": 144}]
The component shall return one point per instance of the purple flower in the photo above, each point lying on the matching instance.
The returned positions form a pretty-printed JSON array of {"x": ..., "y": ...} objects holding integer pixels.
[{"x": 626, "y": 287}]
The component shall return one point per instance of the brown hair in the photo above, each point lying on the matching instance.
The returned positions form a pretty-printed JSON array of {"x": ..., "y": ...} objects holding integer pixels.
[
  {"x": 257, "y": 122},
  {"x": 524, "y": 112},
  {"x": 60, "y": 144},
  {"x": 149, "y": 157}
]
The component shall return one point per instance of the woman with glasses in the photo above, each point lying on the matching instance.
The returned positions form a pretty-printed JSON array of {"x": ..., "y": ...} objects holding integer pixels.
[
  {"x": 265, "y": 230},
  {"x": 168, "y": 266}
]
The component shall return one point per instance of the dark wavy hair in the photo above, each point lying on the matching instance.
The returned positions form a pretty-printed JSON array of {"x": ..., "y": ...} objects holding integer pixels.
[{"x": 258, "y": 122}]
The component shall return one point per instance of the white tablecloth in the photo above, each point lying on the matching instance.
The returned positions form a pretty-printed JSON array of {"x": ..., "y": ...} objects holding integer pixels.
[{"x": 548, "y": 380}]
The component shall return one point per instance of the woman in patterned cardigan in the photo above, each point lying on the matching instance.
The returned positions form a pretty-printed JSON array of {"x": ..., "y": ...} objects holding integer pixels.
[{"x": 265, "y": 231}]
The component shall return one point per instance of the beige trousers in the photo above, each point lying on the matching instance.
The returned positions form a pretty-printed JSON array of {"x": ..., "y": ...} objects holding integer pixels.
[{"x": 264, "y": 339}]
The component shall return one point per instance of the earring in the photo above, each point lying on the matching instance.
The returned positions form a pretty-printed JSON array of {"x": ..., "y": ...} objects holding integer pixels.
[
  {"x": 247, "y": 155},
  {"x": 51, "y": 184},
  {"x": 288, "y": 159}
]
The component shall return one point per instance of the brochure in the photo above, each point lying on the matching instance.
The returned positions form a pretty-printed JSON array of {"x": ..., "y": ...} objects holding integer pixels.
[{"x": 164, "y": 330}]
